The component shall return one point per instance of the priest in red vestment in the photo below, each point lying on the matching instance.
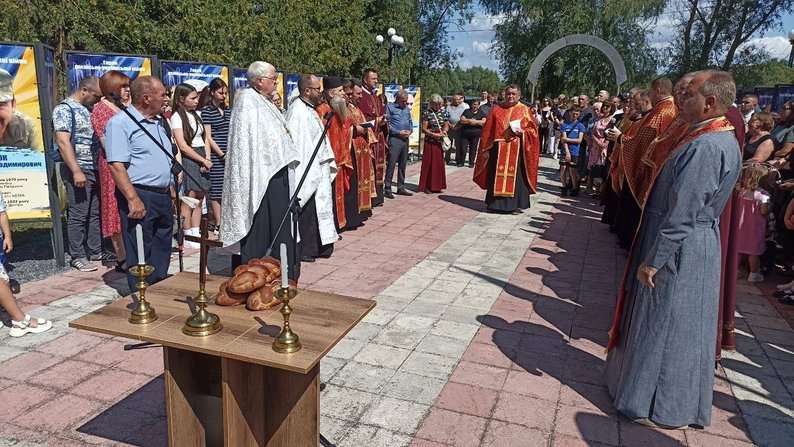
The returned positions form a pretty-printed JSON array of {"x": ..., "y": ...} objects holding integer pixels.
[
  {"x": 371, "y": 105},
  {"x": 340, "y": 135},
  {"x": 507, "y": 161},
  {"x": 363, "y": 139}
]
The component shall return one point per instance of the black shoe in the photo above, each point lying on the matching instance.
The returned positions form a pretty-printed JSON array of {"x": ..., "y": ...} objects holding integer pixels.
[
  {"x": 388, "y": 194},
  {"x": 307, "y": 259},
  {"x": 564, "y": 192},
  {"x": 787, "y": 300},
  {"x": 575, "y": 192},
  {"x": 459, "y": 165},
  {"x": 403, "y": 192}
]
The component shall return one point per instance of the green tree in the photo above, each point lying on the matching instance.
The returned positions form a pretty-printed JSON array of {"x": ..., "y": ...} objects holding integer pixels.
[
  {"x": 472, "y": 81},
  {"x": 530, "y": 25},
  {"x": 763, "y": 74}
]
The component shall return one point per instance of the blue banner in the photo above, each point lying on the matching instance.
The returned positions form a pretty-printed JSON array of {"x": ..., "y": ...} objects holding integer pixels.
[
  {"x": 11, "y": 57},
  {"x": 240, "y": 78},
  {"x": 82, "y": 65},
  {"x": 391, "y": 90},
  {"x": 785, "y": 93},
  {"x": 766, "y": 96},
  {"x": 292, "y": 86},
  {"x": 174, "y": 73}
]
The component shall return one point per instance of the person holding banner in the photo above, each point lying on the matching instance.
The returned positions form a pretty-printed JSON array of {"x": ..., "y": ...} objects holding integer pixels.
[
  {"x": 115, "y": 87},
  {"x": 187, "y": 129},
  {"x": 75, "y": 137},
  {"x": 215, "y": 114}
]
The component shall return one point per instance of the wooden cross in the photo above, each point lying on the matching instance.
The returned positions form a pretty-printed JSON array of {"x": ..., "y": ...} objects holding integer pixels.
[{"x": 205, "y": 243}]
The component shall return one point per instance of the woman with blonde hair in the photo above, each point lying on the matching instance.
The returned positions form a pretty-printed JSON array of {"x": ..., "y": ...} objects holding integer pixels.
[{"x": 435, "y": 125}]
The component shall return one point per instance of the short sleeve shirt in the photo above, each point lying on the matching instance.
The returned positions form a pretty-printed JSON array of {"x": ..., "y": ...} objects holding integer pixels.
[
  {"x": 435, "y": 120},
  {"x": 455, "y": 112},
  {"x": 478, "y": 115},
  {"x": 198, "y": 138},
  {"x": 82, "y": 132},
  {"x": 147, "y": 165},
  {"x": 219, "y": 125},
  {"x": 782, "y": 135},
  {"x": 572, "y": 130}
]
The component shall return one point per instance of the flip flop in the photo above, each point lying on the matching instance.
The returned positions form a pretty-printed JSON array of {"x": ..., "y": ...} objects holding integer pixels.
[{"x": 20, "y": 328}]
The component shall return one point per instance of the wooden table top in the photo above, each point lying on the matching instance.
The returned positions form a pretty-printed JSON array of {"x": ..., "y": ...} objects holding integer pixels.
[{"x": 320, "y": 320}]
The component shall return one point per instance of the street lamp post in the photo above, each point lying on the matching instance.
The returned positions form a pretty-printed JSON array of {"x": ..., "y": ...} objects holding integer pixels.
[
  {"x": 791, "y": 54},
  {"x": 395, "y": 43}
]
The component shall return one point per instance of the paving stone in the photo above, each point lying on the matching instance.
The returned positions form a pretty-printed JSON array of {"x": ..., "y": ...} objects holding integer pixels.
[
  {"x": 63, "y": 412},
  {"x": 374, "y": 437},
  {"x": 361, "y": 376},
  {"x": 26, "y": 365},
  {"x": 429, "y": 365},
  {"x": 428, "y": 309},
  {"x": 379, "y": 316},
  {"x": 587, "y": 424},
  {"x": 452, "y": 428},
  {"x": 109, "y": 385},
  {"x": 396, "y": 415},
  {"x": 400, "y": 338},
  {"x": 451, "y": 329},
  {"x": 19, "y": 398},
  {"x": 333, "y": 429},
  {"x": 504, "y": 434},
  {"x": 468, "y": 399},
  {"x": 65, "y": 375},
  {"x": 412, "y": 387},
  {"x": 381, "y": 355},
  {"x": 345, "y": 403},
  {"x": 450, "y": 347},
  {"x": 347, "y": 348}
]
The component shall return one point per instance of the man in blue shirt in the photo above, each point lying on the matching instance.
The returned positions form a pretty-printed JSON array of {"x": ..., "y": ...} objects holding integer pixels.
[
  {"x": 400, "y": 128},
  {"x": 143, "y": 176},
  {"x": 572, "y": 133}
]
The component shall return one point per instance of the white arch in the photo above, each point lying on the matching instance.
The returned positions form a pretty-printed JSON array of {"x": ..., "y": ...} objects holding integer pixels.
[{"x": 578, "y": 39}]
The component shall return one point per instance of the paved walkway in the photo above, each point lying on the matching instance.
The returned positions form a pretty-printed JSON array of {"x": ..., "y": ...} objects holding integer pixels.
[{"x": 489, "y": 330}]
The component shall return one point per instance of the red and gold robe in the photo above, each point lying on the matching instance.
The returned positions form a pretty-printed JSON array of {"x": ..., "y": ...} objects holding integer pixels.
[
  {"x": 616, "y": 175},
  {"x": 498, "y": 141},
  {"x": 362, "y": 146},
  {"x": 635, "y": 144},
  {"x": 371, "y": 105},
  {"x": 340, "y": 135},
  {"x": 657, "y": 154}
]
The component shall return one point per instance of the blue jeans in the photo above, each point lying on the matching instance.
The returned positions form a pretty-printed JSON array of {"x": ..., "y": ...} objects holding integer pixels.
[{"x": 157, "y": 230}]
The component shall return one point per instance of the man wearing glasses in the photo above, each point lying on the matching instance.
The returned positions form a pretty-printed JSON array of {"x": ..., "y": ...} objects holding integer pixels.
[
  {"x": 71, "y": 120},
  {"x": 256, "y": 184}
]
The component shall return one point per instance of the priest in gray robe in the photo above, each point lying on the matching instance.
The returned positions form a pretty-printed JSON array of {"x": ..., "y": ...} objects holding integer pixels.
[
  {"x": 660, "y": 366},
  {"x": 260, "y": 171},
  {"x": 316, "y": 221}
]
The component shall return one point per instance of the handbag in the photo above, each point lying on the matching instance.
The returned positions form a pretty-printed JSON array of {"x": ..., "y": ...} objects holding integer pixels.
[{"x": 446, "y": 142}]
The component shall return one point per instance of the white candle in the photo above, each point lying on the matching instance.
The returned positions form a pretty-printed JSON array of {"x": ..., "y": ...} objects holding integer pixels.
[
  {"x": 139, "y": 237},
  {"x": 284, "y": 280}
]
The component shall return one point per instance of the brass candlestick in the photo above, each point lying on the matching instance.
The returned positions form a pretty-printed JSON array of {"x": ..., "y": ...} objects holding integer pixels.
[
  {"x": 287, "y": 341},
  {"x": 144, "y": 312},
  {"x": 202, "y": 322}
]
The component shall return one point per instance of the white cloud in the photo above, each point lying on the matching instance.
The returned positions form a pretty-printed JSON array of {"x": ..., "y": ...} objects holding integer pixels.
[
  {"x": 485, "y": 21},
  {"x": 778, "y": 47},
  {"x": 482, "y": 47}
]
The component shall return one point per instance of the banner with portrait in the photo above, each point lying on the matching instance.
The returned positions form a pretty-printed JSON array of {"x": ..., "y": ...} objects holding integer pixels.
[
  {"x": 415, "y": 103},
  {"x": 23, "y": 168},
  {"x": 81, "y": 65},
  {"x": 200, "y": 75}
]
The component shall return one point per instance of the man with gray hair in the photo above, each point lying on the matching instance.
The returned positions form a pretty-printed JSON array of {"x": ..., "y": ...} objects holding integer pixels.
[
  {"x": 259, "y": 177},
  {"x": 660, "y": 362},
  {"x": 400, "y": 128}
]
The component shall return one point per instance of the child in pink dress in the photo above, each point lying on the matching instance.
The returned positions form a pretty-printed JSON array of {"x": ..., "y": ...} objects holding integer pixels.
[{"x": 753, "y": 208}]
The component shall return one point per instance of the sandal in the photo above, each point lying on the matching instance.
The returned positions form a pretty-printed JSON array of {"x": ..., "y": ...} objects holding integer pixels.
[{"x": 20, "y": 328}]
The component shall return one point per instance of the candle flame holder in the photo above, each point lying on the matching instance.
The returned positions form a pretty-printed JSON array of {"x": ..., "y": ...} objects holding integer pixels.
[
  {"x": 144, "y": 312},
  {"x": 203, "y": 322},
  {"x": 287, "y": 341}
]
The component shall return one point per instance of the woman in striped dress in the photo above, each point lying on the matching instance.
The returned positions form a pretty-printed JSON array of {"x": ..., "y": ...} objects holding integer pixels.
[{"x": 215, "y": 115}]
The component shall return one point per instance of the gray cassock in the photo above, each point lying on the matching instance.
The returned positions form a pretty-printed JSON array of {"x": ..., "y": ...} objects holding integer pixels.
[{"x": 663, "y": 365}]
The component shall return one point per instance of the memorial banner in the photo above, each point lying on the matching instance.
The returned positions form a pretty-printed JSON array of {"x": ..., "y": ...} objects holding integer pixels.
[
  {"x": 415, "y": 103},
  {"x": 391, "y": 90},
  {"x": 766, "y": 96},
  {"x": 81, "y": 65},
  {"x": 785, "y": 93},
  {"x": 23, "y": 169},
  {"x": 177, "y": 72}
]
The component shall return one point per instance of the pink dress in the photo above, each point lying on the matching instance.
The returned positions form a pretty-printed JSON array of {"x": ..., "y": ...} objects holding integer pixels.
[
  {"x": 598, "y": 152},
  {"x": 108, "y": 207},
  {"x": 752, "y": 224}
]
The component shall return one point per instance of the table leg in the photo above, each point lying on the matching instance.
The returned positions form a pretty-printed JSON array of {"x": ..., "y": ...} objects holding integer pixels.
[
  {"x": 192, "y": 398},
  {"x": 264, "y": 406}
]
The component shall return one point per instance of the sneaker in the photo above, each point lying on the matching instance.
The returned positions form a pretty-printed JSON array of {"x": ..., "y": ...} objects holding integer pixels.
[
  {"x": 83, "y": 265},
  {"x": 755, "y": 277},
  {"x": 104, "y": 257},
  {"x": 787, "y": 286}
]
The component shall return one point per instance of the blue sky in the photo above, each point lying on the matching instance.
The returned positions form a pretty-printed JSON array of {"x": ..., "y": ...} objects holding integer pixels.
[{"x": 476, "y": 38}]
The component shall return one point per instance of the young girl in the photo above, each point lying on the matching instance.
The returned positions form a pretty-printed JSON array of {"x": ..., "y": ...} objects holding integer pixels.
[
  {"x": 598, "y": 147},
  {"x": 21, "y": 323},
  {"x": 189, "y": 136},
  {"x": 215, "y": 114},
  {"x": 753, "y": 208}
]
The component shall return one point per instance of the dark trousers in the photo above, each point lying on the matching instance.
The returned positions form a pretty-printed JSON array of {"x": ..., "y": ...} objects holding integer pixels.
[
  {"x": 157, "y": 227},
  {"x": 453, "y": 135},
  {"x": 82, "y": 222},
  {"x": 398, "y": 155},
  {"x": 466, "y": 143}
]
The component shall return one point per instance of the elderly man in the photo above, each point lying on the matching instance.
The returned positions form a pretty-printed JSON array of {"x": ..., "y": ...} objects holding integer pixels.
[
  {"x": 602, "y": 96},
  {"x": 400, "y": 128},
  {"x": 660, "y": 366},
  {"x": 142, "y": 172},
  {"x": 256, "y": 183}
]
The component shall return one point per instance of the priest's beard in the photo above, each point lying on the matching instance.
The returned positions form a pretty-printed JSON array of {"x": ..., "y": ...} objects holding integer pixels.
[{"x": 339, "y": 106}]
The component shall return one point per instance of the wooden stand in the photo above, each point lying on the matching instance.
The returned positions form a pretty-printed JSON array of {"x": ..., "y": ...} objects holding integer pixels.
[{"x": 231, "y": 388}]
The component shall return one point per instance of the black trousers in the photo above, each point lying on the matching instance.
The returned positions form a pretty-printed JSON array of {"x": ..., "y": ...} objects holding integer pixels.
[
  {"x": 157, "y": 227},
  {"x": 398, "y": 156},
  {"x": 265, "y": 225},
  {"x": 83, "y": 218},
  {"x": 466, "y": 143},
  {"x": 310, "y": 243}
]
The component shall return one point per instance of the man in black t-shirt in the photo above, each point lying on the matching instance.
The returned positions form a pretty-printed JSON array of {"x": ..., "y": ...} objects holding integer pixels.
[{"x": 471, "y": 122}]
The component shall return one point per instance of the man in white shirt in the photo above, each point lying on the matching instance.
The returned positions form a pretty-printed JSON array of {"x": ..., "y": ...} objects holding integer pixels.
[
  {"x": 748, "y": 107},
  {"x": 455, "y": 111}
]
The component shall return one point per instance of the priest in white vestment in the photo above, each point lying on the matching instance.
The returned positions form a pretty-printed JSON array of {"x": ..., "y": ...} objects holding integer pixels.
[
  {"x": 316, "y": 222},
  {"x": 260, "y": 171}
]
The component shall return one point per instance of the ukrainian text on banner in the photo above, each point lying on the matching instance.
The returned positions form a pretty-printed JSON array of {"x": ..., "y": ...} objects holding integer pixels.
[
  {"x": 200, "y": 75},
  {"x": 81, "y": 65},
  {"x": 23, "y": 170},
  {"x": 415, "y": 103},
  {"x": 391, "y": 90}
]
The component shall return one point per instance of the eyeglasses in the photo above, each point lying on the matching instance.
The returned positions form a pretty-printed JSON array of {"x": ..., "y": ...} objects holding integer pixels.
[{"x": 274, "y": 78}]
